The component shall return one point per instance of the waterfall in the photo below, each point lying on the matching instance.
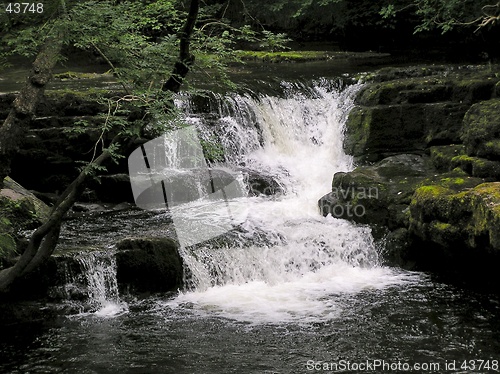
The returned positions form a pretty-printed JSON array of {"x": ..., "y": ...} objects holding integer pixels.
[
  {"x": 90, "y": 277},
  {"x": 286, "y": 261}
]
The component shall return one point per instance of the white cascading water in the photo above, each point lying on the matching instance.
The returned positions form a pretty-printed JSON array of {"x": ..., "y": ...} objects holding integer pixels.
[
  {"x": 99, "y": 271},
  {"x": 304, "y": 259}
]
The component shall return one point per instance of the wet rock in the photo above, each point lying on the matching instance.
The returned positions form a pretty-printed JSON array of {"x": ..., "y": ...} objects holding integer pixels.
[
  {"x": 375, "y": 132},
  {"x": 481, "y": 130},
  {"x": 412, "y": 114},
  {"x": 451, "y": 217},
  {"x": 378, "y": 194},
  {"x": 449, "y": 157},
  {"x": 261, "y": 183},
  {"x": 436, "y": 215},
  {"x": 397, "y": 244},
  {"x": 19, "y": 210},
  {"x": 457, "y": 232},
  {"x": 149, "y": 265},
  {"x": 113, "y": 188},
  {"x": 186, "y": 186}
]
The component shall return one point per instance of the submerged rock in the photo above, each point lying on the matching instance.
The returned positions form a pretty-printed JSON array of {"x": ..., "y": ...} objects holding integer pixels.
[
  {"x": 149, "y": 265},
  {"x": 261, "y": 183}
]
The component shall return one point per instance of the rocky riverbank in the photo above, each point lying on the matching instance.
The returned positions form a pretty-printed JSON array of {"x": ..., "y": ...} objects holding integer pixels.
[{"x": 426, "y": 141}]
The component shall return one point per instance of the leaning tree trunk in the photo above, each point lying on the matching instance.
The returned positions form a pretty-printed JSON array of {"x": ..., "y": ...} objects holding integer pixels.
[
  {"x": 14, "y": 128},
  {"x": 44, "y": 240}
]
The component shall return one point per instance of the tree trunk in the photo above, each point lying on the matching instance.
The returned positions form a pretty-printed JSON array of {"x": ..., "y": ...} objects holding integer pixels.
[
  {"x": 186, "y": 59},
  {"x": 44, "y": 240}
]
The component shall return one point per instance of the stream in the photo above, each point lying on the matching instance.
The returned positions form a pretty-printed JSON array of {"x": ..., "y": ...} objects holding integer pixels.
[{"x": 293, "y": 292}]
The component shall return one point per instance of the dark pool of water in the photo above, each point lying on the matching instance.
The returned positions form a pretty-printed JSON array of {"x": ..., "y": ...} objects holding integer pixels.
[{"x": 417, "y": 324}]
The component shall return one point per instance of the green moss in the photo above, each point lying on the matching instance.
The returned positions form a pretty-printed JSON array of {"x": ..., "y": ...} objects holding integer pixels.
[
  {"x": 462, "y": 159},
  {"x": 8, "y": 246},
  {"x": 455, "y": 181},
  {"x": 490, "y": 192},
  {"x": 74, "y": 75},
  {"x": 357, "y": 131},
  {"x": 287, "y": 56},
  {"x": 441, "y": 226},
  {"x": 481, "y": 130},
  {"x": 431, "y": 191},
  {"x": 466, "y": 217},
  {"x": 478, "y": 167},
  {"x": 444, "y": 157},
  {"x": 447, "y": 182},
  {"x": 20, "y": 208}
]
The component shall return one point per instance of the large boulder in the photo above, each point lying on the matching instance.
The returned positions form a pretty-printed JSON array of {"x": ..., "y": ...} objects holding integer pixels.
[
  {"x": 19, "y": 210},
  {"x": 149, "y": 265},
  {"x": 457, "y": 232},
  {"x": 464, "y": 218},
  {"x": 481, "y": 130},
  {"x": 378, "y": 194}
]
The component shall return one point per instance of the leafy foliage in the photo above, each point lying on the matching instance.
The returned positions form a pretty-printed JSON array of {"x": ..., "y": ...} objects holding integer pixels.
[{"x": 449, "y": 14}]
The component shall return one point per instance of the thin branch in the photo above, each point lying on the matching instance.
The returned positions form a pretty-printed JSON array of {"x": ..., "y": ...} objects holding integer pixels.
[{"x": 108, "y": 61}]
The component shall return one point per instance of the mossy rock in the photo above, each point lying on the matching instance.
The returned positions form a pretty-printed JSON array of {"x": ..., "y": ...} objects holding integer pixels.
[
  {"x": 410, "y": 90},
  {"x": 423, "y": 108},
  {"x": 19, "y": 210},
  {"x": 283, "y": 56},
  {"x": 466, "y": 219},
  {"x": 375, "y": 132},
  {"x": 442, "y": 156},
  {"x": 481, "y": 130},
  {"x": 76, "y": 75},
  {"x": 381, "y": 192},
  {"x": 394, "y": 73},
  {"x": 478, "y": 167},
  {"x": 21, "y": 207},
  {"x": 429, "y": 85},
  {"x": 448, "y": 157}
]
